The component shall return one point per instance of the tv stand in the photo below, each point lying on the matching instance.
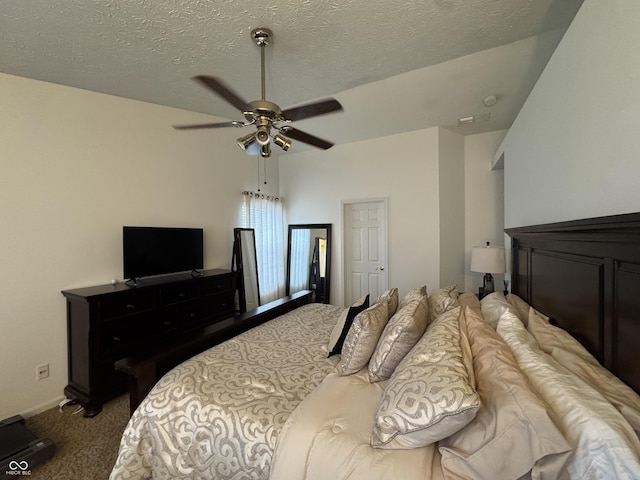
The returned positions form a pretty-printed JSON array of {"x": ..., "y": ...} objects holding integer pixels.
[{"x": 108, "y": 322}]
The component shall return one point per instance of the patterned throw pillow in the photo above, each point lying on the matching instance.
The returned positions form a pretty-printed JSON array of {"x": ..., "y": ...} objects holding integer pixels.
[
  {"x": 416, "y": 292},
  {"x": 391, "y": 296},
  {"x": 442, "y": 300},
  {"x": 362, "y": 338},
  {"x": 340, "y": 330},
  {"x": 429, "y": 395},
  {"x": 399, "y": 336}
]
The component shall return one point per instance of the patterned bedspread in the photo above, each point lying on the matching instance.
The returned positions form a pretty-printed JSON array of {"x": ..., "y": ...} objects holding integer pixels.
[{"x": 218, "y": 415}]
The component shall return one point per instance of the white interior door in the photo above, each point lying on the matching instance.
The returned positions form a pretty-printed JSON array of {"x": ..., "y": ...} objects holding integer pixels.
[{"x": 365, "y": 249}]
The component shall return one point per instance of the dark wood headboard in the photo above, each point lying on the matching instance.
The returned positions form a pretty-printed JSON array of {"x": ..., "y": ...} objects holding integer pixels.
[{"x": 585, "y": 275}]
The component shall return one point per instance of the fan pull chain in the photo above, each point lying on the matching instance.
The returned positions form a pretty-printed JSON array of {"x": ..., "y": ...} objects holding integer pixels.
[
  {"x": 264, "y": 162},
  {"x": 258, "y": 165}
]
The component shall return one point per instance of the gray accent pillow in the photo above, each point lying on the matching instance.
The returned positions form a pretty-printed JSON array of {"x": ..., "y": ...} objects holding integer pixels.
[
  {"x": 399, "y": 336},
  {"x": 429, "y": 395},
  {"x": 362, "y": 338}
]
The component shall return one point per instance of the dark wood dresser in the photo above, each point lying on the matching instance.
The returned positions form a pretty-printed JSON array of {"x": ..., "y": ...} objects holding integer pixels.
[{"x": 108, "y": 322}]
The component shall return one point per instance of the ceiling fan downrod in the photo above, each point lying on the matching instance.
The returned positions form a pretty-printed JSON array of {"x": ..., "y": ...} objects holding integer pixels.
[{"x": 262, "y": 37}]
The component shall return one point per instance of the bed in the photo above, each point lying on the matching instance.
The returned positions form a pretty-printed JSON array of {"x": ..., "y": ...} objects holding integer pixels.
[{"x": 424, "y": 386}]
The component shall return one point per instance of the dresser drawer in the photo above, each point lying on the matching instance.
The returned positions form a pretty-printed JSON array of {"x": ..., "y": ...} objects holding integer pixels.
[
  {"x": 120, "y": 338},
  {"x": 212, "y": 286},
  {"x": 126, "y": 304},
  {"x": 204, "y": 312},
  {"x": 178, "y": 294}
]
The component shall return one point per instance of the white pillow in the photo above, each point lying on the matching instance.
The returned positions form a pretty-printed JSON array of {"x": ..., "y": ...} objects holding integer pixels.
[
  {"x": 494, "y": 305},
  {"x": 605, "y": 445}
]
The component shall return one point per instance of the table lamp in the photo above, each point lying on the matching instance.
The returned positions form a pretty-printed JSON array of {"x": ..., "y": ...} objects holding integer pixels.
[{"x": 487, "y": 260}]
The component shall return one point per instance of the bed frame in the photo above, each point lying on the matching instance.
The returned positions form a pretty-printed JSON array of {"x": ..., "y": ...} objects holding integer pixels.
[{"x": 585, "y": 275}]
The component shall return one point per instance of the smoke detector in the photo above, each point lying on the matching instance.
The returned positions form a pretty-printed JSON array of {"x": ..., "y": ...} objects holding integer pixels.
[{"x": 490, "y": 101}]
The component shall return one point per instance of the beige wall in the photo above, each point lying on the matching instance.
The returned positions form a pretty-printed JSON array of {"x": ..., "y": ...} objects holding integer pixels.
[
  {"x": 573, "y": 150},
  {"x": 76, "y": 167}
]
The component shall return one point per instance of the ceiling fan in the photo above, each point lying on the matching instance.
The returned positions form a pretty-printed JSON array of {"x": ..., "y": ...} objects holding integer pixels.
[{"x": 271, "y": 122}]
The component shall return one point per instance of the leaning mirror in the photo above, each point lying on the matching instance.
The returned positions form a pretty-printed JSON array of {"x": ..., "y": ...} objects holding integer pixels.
[
  {"x": 309, "y": 260},
  {"x": 246, "y": 264}
]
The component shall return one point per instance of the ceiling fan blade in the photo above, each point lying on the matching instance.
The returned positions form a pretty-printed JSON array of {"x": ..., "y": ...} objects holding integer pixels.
[
  {"x": 312, "y": 109},
  {"x": 208, "y": 125},
  {"x": 218, "y": 86},
  {"x": 304, "y": 137}
]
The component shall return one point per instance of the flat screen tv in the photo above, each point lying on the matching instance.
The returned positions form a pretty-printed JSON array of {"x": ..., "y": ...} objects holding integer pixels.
[{"x": 149, "y": 251}]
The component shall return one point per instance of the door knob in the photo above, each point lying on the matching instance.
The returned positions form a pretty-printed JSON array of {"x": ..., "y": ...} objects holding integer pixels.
[{"x": 380, "y": 268}]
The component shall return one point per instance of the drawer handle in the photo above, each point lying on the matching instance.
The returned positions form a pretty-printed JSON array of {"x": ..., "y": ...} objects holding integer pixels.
[
  {"x": 182, "y": 295},
  {"x": 167, "y": 323},
  {"x": 117, "y": 339},
  {"x": 131, "y": 306},
  {"x": 193, "y": 315}
]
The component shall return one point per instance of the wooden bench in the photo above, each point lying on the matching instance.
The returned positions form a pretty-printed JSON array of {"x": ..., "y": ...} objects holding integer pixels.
[{"x": 145, "y": 369}]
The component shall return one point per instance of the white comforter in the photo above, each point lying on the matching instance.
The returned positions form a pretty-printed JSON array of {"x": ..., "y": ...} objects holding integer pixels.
[
  {"x": 218, "y": 415},
  {"x": 328, "y": 438}
]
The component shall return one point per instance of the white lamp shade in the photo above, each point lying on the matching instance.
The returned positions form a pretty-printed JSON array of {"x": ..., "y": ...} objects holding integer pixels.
[{"x": 488, "y": 260}]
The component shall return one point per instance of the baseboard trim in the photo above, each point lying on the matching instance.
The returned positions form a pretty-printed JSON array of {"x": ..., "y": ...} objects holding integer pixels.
[{"x": 54, "y": 402}]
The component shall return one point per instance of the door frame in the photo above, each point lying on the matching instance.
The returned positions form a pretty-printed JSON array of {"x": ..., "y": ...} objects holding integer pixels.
[{"x": 344, "y": 204}]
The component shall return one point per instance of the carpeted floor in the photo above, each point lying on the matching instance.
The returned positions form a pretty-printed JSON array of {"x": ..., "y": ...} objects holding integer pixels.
[{"x": 86, "y": 448}]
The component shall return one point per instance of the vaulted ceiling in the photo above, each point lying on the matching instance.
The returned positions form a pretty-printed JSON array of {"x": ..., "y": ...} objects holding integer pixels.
[{"x": 394, "y": 65}]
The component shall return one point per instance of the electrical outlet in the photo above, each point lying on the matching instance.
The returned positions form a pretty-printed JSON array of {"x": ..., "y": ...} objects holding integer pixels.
[{"x": 42, "y": 371}]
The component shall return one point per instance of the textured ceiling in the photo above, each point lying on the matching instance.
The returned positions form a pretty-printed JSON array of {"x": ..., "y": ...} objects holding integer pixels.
[{"x": 449, "y": 54}]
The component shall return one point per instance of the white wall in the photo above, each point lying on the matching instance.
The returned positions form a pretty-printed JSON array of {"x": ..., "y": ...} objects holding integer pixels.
[
  {"x": 573, "y": 150},
  {"x": 484, "y": 201},
  {"x": 451, "y": 176},
  {"x": 76, "y": 167},
  {"x": 443, "y": 196},
  {"x": 402, "y": 168}
]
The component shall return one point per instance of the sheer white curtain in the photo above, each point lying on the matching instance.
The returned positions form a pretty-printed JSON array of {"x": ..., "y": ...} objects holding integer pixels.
[
  {"x": 263, "y": 213},
  {"x": 300, "y": 259}
]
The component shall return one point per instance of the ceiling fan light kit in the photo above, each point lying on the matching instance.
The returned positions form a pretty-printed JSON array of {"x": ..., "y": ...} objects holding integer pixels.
[{"x": 271, "y": 122}]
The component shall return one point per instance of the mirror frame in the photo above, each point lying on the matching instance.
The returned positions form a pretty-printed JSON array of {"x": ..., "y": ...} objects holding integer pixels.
[
  {"x": 237, "y": 265},
  {"x": 311, "y": 226}
]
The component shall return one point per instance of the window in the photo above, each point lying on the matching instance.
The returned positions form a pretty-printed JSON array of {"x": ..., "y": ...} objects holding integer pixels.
[{"x": 264, "y": 214}]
